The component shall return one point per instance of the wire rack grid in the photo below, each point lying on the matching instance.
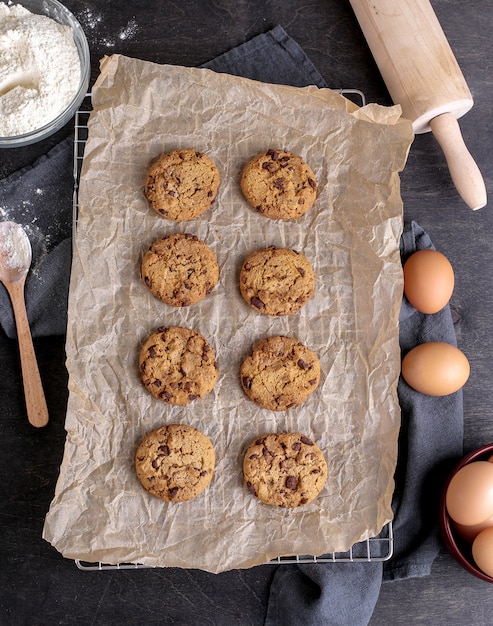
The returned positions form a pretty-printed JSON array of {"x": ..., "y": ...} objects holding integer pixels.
[{"x": 379, "y": 548}]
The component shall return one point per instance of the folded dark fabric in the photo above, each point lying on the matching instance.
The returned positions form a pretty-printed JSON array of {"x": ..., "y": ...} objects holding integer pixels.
[
  {"x": 430, "y": 441},
  {"x": 332, "y": 594},
  {"x": 40, "y": 199},
  {"x": 270, "y": 58}
]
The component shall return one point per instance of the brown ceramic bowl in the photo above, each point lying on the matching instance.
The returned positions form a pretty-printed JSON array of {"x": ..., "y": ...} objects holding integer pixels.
[{"x": 458, "y": 547}]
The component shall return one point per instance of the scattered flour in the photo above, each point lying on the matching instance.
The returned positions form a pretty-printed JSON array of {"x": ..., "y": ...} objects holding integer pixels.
[
  {"x": 89, "y": 19},
  {"x": 129, "y": 31},
  {"x": 93, "y": 23},
  {"x": 39, "y": 70}
]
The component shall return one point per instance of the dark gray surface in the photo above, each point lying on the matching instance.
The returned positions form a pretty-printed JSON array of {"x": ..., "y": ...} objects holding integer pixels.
[{"x": 37, "y": 585}]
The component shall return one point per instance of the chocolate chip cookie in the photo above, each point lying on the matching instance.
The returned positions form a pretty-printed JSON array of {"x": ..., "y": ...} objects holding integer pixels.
[
  {"x": 284, "y": 469},
  {"x": 277, "y": 281},
  {"x": 182, "y": 184},
  {"x": 175, "y": 462},
  {"x": 180, "y": 269},
  {"x": 279, "y": 184},
  {"x": 280, "y": 373},
  {"x": 177, "y": 365}
]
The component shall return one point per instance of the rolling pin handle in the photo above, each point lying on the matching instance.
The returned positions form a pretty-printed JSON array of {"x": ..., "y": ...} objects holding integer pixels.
[{"x": 463, "y": 169}]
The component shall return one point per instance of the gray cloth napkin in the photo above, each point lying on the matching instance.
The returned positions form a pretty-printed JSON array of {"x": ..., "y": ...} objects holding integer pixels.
[
  {"x": 431, "y": 435},
  {"x": 40, "y": 199},
  {"x": 430, "y": 442}
]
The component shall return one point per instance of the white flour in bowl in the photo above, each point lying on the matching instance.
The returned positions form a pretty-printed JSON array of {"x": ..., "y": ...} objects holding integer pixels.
[{"x": 39, "y": 70}]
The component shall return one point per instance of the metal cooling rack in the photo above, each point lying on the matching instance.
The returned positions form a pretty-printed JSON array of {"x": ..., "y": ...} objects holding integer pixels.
[{"x": 378, "y": 548}]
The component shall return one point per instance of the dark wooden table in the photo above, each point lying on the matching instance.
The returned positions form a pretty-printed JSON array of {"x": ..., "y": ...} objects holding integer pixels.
[{"x": 38, "y": 586}]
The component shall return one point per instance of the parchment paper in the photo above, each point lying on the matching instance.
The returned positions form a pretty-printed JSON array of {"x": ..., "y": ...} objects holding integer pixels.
[{"x": 351, "y": 235}]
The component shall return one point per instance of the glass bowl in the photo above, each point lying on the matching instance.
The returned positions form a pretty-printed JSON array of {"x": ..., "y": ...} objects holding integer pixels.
[
  {"x": 56, "y": 11},
  {"x": 458, "y": 547}
]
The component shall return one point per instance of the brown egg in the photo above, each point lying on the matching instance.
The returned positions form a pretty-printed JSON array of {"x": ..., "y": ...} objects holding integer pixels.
[
  {"x": 428, "y": 280},
  {"x": 435, "y": 368},
  {"x": 469, "y": 497},
  {"x": 482, "y": 551},
  {"x": 470, "y": 532}
]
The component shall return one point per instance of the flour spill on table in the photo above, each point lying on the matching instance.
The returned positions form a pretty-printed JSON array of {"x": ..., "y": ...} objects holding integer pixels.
[
  {"x": 93, "y": 23},
  {"x": 129, "y": 31}
]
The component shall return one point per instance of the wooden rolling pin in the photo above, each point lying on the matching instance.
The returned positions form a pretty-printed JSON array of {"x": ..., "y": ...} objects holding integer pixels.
[{"x": 423, "y": 76}]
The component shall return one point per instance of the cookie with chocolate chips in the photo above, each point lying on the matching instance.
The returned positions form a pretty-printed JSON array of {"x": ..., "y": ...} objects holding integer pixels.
[
  {"x": 280, "y": 373},
  {"x": 180, "y": 269},
  {"x": 284, "y": 469},
  {"x": 277, "y": 281},
  {"x": 178, "y": 365},
  {"x": 175, "y": 462},
  {"x": 182, "y": 184},
  {"x": 279, "y": 184}
]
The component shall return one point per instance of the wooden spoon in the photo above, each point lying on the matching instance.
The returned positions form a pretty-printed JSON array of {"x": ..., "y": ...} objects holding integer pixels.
[{"x": 15, "y": 261}]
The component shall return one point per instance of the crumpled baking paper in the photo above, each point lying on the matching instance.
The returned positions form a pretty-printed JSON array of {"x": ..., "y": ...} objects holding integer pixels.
[{"x": 100, "y": 512}]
